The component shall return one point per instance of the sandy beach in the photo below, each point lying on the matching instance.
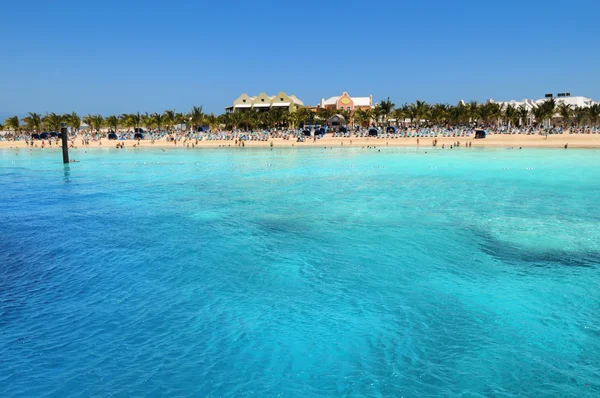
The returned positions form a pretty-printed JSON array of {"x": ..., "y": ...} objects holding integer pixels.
[{"x": 494, "y": 140}]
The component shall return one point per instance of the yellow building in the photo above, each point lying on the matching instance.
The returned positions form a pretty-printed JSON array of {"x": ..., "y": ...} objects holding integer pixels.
[{"x": 263, "y": 102}]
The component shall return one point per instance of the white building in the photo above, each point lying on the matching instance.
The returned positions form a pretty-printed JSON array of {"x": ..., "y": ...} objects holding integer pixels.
[{"x": 529, "y": 104}]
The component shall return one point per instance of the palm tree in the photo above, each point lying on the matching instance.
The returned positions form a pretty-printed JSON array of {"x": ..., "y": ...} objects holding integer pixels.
[
  {"x": 347, "y": 115},
  {"x": 180, "y": 119},
  {"x": 399, "y": 114},
  {"x": 237, "y": 118},
  {"x": 304, "y": 116},
  {"x": 225, "y": 120},
  {"x": 53, "y": 121},
  {"x": 169, "y": 119},
  {"x": 466, "y": 112},
  {"x": 549, "y": 107},
  {"x": 196, "y": 117},
  {"x": 438, "y": 113},
  {"x": 96, "y": 122},
  {"x": 360, "y": 117},
  {"x": 89, "y": 120},
  {"x": 511, "y": 113},
  {"x": 539, "y": 114},
  {"x": 138, "y": 119},
  {"x": 580, "y": 114},
  {"x": 473, "y": 111},
  {"x": 157, "y": 120},
  {"x": 73, "y": 120},
  {"x": 370, "y": 115},
  {"x": 146, "y": 120},
  {"x": 523, "y": 113},
  {"x": 594, "y": 114},
  {"x": 489, "y": 111},
  {"x": 112, "y": 122},
  {"x": 132, "y": 120},
  {"x": 378, "y": 115},
  {"x": 12, "y": 123},
  {"x": 496, "y": 111},
  {"x": 99, "y": 121},
  {"x": 544, "y": 111},
  {"x": 456, "y": 114},
  {"x": 33, "y": 122},
  {"x": 386, "y": 107},
  {"x": 565, "y": 111},
  {"x": 213, "y": 122},
  {"x": 418, "y": 111},
  {"x": 485, "y": 113},
  {"x": 247, "y": 119},
  {"x": 324, "y": 114}
]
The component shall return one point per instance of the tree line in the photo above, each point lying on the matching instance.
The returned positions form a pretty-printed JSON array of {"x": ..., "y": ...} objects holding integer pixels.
[
  {"x": 488, "y": 113},
  {"x": 384, "y": 113},
  {"x": 169, "y": 119}
]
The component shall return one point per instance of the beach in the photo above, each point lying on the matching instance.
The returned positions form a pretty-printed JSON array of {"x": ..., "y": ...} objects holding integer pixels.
[{"x": 492, "y": 140}]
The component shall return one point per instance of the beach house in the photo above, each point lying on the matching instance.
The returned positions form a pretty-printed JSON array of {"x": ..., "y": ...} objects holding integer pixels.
[
  {"x": 263, "y": 102},
  {"x": 346, "y": 102}
]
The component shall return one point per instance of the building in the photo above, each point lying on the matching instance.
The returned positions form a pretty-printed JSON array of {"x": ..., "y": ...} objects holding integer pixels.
[
  {"x": 562, "y": 98},
  {"x": 263, "y": 102},
  {"x": 346, "y": 102}
]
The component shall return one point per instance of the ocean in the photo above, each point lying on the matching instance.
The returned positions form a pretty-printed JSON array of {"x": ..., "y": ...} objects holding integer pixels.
[{"x": 405, "y": 272}]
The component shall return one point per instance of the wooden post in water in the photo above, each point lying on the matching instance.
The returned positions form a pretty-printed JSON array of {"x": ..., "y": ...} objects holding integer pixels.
[{"x": 65, "y": 142}]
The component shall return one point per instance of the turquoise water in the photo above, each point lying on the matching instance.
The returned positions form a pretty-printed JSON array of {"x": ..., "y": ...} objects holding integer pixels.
[{"x": 300, "y": 272}]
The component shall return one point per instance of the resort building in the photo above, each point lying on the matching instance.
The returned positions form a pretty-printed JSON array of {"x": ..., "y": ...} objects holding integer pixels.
[
  {"x": 574, "y": 102},
  {"x": 264, "y": 102},
  {"x": 562, "y": 98},
  {"x": 346, "y": 102}
]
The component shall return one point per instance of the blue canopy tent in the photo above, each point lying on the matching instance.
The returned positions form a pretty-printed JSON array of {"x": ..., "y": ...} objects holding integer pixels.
[
  {"x": 373, "y": 132},
  {"x": 112, "y": 136},
  {"x": 479, "y": 134}
]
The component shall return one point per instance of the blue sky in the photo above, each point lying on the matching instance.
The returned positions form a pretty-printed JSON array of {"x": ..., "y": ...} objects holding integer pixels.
[{"x": 124, "y": 56}]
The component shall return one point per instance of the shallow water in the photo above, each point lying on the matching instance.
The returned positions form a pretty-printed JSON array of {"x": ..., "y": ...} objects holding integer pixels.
[{"x": 300, "y": 272}]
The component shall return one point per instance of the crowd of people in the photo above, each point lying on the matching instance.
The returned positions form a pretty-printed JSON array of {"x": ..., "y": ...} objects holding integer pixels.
[{"x": 184, "y": 137}]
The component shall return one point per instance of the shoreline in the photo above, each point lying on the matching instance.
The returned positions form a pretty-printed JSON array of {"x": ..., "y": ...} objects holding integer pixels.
[{"x": 590, "y": 141}]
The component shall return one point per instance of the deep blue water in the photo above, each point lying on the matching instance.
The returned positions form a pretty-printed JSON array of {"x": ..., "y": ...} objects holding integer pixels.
[{"x": 300, "y": 272}]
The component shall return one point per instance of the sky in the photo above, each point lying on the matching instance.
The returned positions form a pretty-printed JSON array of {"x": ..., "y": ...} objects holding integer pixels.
[{"x": 113, "y": 57}]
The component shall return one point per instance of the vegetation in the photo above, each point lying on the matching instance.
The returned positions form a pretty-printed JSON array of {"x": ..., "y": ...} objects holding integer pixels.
[{"x": 418, "y": 113}]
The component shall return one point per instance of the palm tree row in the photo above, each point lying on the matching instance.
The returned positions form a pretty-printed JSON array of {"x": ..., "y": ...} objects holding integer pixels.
[
  {"x": 169, "y": 119},
  {"x": 385, "y": 113},
  {"x": 488, "y": 113}
]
